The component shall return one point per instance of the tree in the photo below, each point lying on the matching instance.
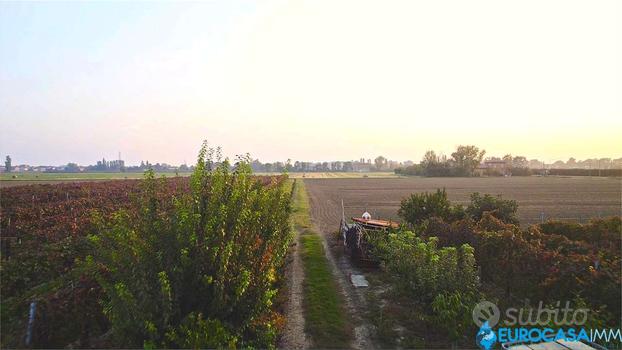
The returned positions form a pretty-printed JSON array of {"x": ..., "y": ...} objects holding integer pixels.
[
  {"x": 380, "y": 162},
  {"x": 420, "y": 207},
  {"x": 348, "y": 166},
  {"x": 72, "y": 168},
  {"x": 519, "y": 162},
  {"x": 467, "y": 158},
  {"x": 508, "y": 160},
  {"x": 201, "y": 274},
  {"x": 502, "y": 209},
  {"x": 430, "y": 159},
  {"x": 435, "y": 165},
  {"x": 7, "y": 164}
]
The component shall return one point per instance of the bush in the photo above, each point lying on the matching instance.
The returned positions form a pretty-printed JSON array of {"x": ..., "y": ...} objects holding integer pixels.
[
  {"x": 422, "y": 270},
  {"x": 452, "y": 234},
  {"x": 415, "y": 169},
  {"x": 200, "y": 274},
  {"x": 452, "y": 312},
  {"x": 420, "y": 207},
  {"x": 601, "y": 233},
  {"x": 502, "y": 209}
]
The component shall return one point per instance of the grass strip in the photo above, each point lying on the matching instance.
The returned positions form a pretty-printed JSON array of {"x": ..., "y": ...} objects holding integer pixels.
[{"x": 325, "y": 316}]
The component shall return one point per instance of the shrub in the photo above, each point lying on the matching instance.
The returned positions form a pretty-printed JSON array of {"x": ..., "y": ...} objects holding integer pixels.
[
  {"x": 452, "y": 312},
  {"x": 601, "y": 233},
  {"x": 420, "y": 207},
  {"x": 200, "y": 274},
  {"x": 502, "y": 209},
  {"x": 452, "y": 234},
  {"x": 422, "y": 270}
]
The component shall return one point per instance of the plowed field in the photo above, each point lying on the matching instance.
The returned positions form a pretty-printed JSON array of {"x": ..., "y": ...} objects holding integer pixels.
[{"x": 565, "y": 198}]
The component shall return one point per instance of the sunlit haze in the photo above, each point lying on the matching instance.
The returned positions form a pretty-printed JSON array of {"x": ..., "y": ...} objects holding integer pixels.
[{"x": 315, "y": 80}]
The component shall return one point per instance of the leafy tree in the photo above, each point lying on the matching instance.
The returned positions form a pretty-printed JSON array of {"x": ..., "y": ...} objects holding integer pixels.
[
  {"x": 200, "y": 274},
  {"x": 452, "y": 312},
  {"x": 422, "y": 270},
  {"x": 7, "y": 164},
  {"x": 467, "y": 158},
  {"x": 435, "y": 165},
  {"x": 519, "y": 162},
  {"x": 452, "y": 234},
  {"x": 508, "y": 160},
  {"x": 511, "y": 262},
  {"x": 72, "y": 168},
  {"x": 430, "y": 159},
  {"x": 420, "y": 207},
  {"x": 502, "y": 209},
  {"x": 380, "y": 162}
]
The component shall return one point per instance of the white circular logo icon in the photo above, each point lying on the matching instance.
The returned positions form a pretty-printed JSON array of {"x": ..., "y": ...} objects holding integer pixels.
[{"x": 486, "y": 311}]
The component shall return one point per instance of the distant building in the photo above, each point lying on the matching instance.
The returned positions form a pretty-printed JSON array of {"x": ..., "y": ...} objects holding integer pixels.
[
  {"x": 362, "y": 166},
  {"x": 493, "y": 167}
]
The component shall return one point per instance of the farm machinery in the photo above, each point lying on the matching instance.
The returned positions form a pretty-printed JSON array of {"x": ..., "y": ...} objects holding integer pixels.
[{"x": 355, "y": 235}]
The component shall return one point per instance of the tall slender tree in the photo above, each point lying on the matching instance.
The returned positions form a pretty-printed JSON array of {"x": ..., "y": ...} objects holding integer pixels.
[{"x": 7, "y": 164}]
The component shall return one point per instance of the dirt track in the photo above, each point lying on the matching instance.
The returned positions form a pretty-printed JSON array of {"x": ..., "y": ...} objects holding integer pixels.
[
  {"x": 568, "y": 198},
  {"x": 294, "y": 336}
]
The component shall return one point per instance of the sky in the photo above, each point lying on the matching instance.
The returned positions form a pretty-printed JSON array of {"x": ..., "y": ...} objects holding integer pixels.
[{"x": 309, "y": 80}]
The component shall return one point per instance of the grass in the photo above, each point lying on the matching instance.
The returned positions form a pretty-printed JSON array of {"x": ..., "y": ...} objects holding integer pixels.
[
  {"x": 325, "y": 316},
  {"x": 31, "y": 176}
]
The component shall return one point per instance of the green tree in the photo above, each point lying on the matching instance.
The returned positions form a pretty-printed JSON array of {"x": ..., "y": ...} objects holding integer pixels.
[
  {"x": 435, "y": 165},
  {"x": 430, "y": 159},
  {"x": 7, "y": 164},
  {"x": 502, "y": 209},
  {"x": 72, "y": 168},
  {"x": 420, "y": 207},
  {"x": 466, "y": 159},
  {"x": 198, "y": 270}
]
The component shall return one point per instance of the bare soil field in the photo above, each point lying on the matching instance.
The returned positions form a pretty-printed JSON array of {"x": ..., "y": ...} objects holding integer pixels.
[{"x": 564, "y": 198}]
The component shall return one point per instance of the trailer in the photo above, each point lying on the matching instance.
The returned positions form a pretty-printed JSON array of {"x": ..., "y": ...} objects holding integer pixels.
[{"x": 354, "y": 235}]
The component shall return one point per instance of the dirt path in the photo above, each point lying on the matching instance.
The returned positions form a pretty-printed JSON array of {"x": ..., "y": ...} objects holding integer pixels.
[
  {"x": 342, "y": 269},
  {"x": 294, "y": 336}
]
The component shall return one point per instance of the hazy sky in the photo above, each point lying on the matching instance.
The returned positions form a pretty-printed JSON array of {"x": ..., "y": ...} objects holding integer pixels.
[{"x": 316, "y": 80}]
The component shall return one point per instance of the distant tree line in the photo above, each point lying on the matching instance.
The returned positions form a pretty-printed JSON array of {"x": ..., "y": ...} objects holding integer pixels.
[
  {"x": 380, "y": 163},
  {"x": 463, "y": 162},
  {"x": 469, "y": 161}
]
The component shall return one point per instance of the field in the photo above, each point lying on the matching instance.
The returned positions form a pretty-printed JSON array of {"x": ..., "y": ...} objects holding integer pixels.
[
  {"x": 346, "y": 175},
  {"x": 423, "y": 293},
  {"x": 20, "y": 179},
  {"x": 62, "y": 248},
  {"x": 564, "y": 198}
]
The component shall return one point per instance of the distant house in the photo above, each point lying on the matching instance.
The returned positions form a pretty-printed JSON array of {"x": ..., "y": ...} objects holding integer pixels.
[
  {"x": 361, "y": 167},
  {"x": 493, "y": 167}
]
